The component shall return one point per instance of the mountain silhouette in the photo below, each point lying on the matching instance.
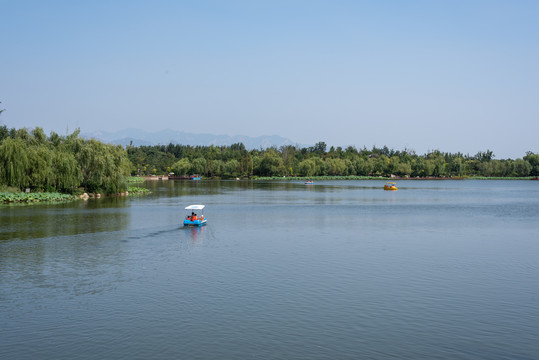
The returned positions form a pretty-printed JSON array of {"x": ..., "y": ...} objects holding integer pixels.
[{"x": 137, "y": 137}]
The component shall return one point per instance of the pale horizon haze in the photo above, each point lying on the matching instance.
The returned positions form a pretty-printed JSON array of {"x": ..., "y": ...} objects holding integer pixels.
[{"x": 454, "y": 76}]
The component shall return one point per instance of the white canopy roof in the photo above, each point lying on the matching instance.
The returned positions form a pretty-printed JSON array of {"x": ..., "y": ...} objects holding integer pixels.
[{"x": 195, "y": 207}]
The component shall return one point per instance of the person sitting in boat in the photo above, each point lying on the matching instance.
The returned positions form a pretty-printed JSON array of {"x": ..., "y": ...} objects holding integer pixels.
[{"x": 193, "y": 216}]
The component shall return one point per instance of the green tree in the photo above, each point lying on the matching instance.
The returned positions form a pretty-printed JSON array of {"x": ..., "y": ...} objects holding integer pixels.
[
  {"x": 40, "y": 174},
  {"x": 336, "y": 167},
  {"x": 39, "y": 136},
  {"x": 271, "y": 164},
  {"x": 322, "y": 168},
  {"x": 90, "y": 158},
  {"x": 404, "y": 169},
  {"x": 14, "y": 163},
  {"x": 4, "y": 132},
  {"x": 307, "y": 168},
  {"x": 198, "y": 166},
  {"x": 288, "y": 155},
  {"x": 181, "y": 167},
  {"x": 67, "y": 172},
  {"x": 456, "y": 166},
  {"x": 393, "y": 165},
  {"x": 522, "y": 167},
  {"x": 320, "y": 148},
  {"x": 533, "y": 160},
  {"x": 232, "y": 167},
  {"x": 364, "y": 166},
  {"x": 439, "y": 166},
  {"x": 484, "y": 156},
  {"x": 428, "y": 167},
  {"x": 218, "y": 167},
  {"x": 380, "y": 165},
  {"x": 247, "y": 165},
  {"x": 103, "y": 167}
]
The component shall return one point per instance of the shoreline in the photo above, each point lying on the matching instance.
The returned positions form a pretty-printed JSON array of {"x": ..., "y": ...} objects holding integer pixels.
[
  {"x": 393, "y": 178},
  {"x": 7, "y": 198},
  {"x": 348, "y": 177}
]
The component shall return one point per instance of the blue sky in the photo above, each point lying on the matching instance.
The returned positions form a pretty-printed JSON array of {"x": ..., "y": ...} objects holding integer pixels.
[{"x": 457, "y": 76}]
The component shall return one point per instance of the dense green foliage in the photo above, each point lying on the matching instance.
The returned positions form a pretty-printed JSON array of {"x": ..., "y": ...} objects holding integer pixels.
[
  {"x": 60, "y": 163},
  {"x": 237, "y": 161}
]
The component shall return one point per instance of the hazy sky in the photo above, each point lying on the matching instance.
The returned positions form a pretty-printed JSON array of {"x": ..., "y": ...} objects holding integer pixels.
[{"x": 458, "y": 76}]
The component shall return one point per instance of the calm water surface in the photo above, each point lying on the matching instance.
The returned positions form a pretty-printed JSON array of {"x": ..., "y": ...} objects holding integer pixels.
[{"x": 338, "y": 270}]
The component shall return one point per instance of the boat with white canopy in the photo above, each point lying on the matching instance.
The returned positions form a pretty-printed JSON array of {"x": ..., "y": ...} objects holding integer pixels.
[{"x": 196, "y": 217}]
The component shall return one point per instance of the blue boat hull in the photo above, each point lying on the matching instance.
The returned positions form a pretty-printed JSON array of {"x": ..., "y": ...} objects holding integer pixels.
[{"x": 194, "y": 222}]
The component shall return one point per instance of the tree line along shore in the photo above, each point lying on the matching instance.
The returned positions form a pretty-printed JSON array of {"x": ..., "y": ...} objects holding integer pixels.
[
  {"x": 35, "y": 167},
  {"x": 317, "y": 161},
  {"x": 31, "y": 161}
]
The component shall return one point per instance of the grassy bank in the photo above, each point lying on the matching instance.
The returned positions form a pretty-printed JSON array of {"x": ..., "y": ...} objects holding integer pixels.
[{"x": 500, "y": 178}]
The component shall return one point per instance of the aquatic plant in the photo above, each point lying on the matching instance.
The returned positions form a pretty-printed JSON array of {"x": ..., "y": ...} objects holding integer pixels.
[
  {"x": 137, "y": 191},
  {"x": 11, "y": 197},
  {"x": 135, "y": 179}
]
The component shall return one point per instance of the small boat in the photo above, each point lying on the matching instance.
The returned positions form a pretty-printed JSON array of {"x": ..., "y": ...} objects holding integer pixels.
[
  {"x": 195, "y": 177},
  {"x": 309, "y": 182},
  {"x": 390, "y": 186},
  {"x": 196, "y": 218}
]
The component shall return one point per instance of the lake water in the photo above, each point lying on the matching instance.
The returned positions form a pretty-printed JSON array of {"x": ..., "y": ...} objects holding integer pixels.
[{"x": 283, "y": 270}]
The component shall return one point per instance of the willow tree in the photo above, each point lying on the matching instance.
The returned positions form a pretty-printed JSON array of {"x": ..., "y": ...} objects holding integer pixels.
[
  {"x": 198, "y": 166},
  {"x": 271, "y": 163},
  {"x": 14, "y": 163},
  {"x": 67, "y": 172},
  {"x": 102, "y": 167},
  {"x": 232, "y": 167},
  {"x": 117, "y": 168},
  {"x": 307, "y": 168},
  {"x": 533, "y": 160},
  {"x": 40, "y": 174},
  {"x": 57, "y": 163},
  {"x": 181, "y": 167}
]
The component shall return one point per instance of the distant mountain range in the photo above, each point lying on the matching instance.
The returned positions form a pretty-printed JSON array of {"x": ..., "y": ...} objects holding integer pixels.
[{"x": 138, "y": 137}]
